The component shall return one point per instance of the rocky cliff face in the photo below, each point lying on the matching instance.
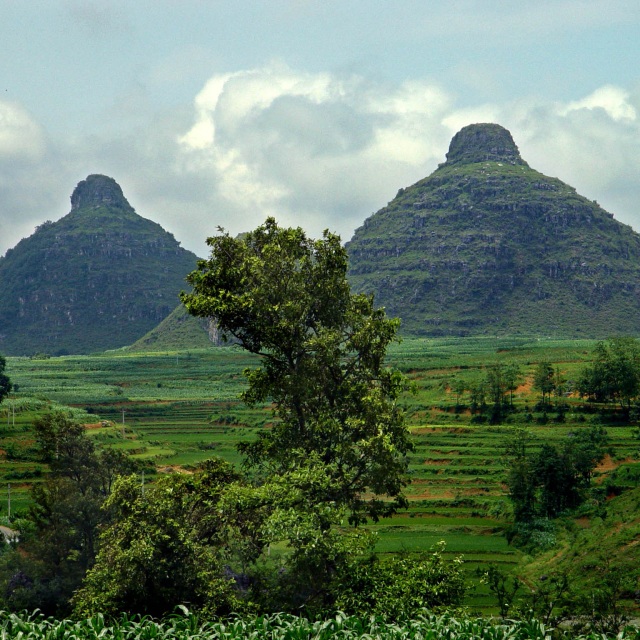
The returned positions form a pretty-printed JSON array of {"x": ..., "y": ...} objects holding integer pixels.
[
  {"x": 488, "y": 245},
  {"x": 97, "y": 191},
  {"x": 483, "y": 143},
  {"x": 99, "y": 278}
]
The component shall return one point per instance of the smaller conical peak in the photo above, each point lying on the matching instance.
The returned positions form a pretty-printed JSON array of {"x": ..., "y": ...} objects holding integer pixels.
[
  {"x": 98, "y": 190},
  {"x": 482, "y": 143}
]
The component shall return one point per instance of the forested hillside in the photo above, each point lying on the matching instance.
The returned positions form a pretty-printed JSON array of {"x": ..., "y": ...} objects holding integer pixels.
[
  {"x": 488, "y": 245},
  {"x": 99, "y": 278}
]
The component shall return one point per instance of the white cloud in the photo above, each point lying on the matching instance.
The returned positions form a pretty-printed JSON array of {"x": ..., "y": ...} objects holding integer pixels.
[
  {"x": 20, "y": 135},
  {"x": 324, "y": 151},
  {"x": 613, "y": 100},
  {"x": 316, "y": 149}
]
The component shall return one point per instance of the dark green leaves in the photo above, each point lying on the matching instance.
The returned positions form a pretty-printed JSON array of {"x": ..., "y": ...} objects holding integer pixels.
[
  {"x": 285, "y": 297},
  {"x": 5, "y": 383}
]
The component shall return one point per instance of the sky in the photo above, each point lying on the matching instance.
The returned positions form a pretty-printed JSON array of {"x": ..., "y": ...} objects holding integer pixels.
[{"x": 219, "y": 113}]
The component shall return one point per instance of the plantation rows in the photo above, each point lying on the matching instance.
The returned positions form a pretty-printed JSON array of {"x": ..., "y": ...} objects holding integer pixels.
[{"x": 281, "y": 627}]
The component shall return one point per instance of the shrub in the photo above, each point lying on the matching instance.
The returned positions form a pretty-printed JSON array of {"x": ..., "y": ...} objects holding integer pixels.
[{"x": 397, "y": 587}]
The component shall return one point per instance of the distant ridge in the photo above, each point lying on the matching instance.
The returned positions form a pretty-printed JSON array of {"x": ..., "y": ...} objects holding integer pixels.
[
  {"x": 178, "y": 331},
  {"x": 487, "y": 245},
  {"x": 99, "y": 278}
]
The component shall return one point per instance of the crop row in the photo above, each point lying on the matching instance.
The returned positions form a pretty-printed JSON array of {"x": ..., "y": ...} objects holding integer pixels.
[{"x": 187, "y": 626}]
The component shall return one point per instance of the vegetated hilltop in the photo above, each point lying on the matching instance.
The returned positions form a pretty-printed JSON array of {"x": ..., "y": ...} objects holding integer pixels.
[
  {"x": 488, "y": 245},
  {"x": 98, "y": 278}
]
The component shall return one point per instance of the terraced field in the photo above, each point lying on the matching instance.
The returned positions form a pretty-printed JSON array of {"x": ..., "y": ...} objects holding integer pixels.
[{"x": 176, "y": 409}]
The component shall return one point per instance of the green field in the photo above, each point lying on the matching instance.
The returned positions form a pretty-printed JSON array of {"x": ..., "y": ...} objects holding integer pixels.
[{"x": 176, "y": 409}]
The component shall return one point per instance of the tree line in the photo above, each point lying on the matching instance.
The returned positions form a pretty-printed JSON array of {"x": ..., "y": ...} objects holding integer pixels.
[{"x": 611, "y": 379}]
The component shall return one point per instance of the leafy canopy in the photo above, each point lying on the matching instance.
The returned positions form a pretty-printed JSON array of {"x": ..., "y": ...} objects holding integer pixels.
[
  {"x": 555, "y": 478},
  {"x": 285, "y": 297},
  {"x": 614, "y": 375},
  {"x": 59, "y": 535},
  {"x": 163, "y": 547},
  {"x": 5, "y": 383}
]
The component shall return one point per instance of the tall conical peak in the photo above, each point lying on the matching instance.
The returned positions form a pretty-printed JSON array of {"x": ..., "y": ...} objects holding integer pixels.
[
  {"x": 98, "y": 190},
  {"x": 482, "y": 143}
]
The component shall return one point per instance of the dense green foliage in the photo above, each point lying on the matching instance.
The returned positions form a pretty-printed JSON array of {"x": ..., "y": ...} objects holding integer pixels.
[
  {"x": 285, "y": 298},
  {"x": 163, "y": 547},
  {"x": 614, "y": 374},
  {"x": 5, "y": 383},
  {"x": 187, "y": 626},
  {"x": 99, "y": 278},
  {"x": 554, "y": 478},
  {"x": 487, "y": 245},
  {"x": 58, "y": 537},
  {"x": 397, "y": 587}
]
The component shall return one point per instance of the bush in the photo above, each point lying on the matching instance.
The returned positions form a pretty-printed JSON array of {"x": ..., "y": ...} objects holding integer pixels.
[
  {"x": 396, "y": 588},
  {"x": 534, "y": 536}
]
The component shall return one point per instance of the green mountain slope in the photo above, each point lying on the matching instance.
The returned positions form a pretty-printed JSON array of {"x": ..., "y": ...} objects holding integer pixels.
[
  {"x": 598, "y": 552},
  {"x": 99, "y": 278},
  {"x": 178, "y": 331},
  {"x": 487, "y": 245}
]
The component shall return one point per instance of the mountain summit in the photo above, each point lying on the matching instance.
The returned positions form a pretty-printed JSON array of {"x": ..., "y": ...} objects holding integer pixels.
[
  {"x": 99, "y": 278},
  {"x": 488, "y": 245},
  {"x": 483, "y": 143},
  {"x": 98, "y": 191}
]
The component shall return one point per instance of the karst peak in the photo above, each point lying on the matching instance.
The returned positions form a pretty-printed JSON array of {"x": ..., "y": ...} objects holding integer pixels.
[
  {"x": 484, "y": 142},
  {"x": 98, "y": 190}
]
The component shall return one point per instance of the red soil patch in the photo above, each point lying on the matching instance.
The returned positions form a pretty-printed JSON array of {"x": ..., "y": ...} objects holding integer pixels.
[
  {"x": 427, "y": 494},
  {"x": 98, "y": 425},
  {"x": 526, "y": 387},
  {"x": 609, "y": 464}
]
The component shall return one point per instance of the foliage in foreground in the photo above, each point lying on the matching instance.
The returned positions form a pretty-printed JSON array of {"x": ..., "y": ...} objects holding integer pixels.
[
  {"x": 285, "y": 298},
  {"x": 58, "y": 536},
  {"x": 207, "y": 537},
  {"x": 187, "y": 626}
]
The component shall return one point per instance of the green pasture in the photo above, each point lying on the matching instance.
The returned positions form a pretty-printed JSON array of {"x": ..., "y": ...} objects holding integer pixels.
[{"x": 176, "y": 409}]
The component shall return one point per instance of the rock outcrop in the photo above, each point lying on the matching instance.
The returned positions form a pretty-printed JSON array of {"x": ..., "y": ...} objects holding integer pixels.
[{"x": 97, "y": 191}]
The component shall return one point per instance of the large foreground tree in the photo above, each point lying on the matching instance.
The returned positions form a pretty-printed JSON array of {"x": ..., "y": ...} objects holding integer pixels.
[{"x": 285, "y": 297}]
